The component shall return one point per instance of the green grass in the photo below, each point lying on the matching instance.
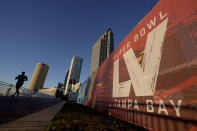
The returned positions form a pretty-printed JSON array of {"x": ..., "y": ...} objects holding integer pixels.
[{"x": 74, "y": 116}]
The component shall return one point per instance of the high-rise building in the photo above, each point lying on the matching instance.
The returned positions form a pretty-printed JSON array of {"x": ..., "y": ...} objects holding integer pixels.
[
  {"x": 60, "y": 85},
  {"x": 74, "y": 73},
  {"x": 38, "y": 77},
  {"x": 66, "y": 78},
  {"x": 103, "y": 47}
]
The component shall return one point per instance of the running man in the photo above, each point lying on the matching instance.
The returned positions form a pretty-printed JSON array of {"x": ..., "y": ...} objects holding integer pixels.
[{"x": 21, "y": 78}]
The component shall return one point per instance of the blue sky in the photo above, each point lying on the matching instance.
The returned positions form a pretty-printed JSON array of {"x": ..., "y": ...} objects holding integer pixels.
[{"x": 53, "y": 31}]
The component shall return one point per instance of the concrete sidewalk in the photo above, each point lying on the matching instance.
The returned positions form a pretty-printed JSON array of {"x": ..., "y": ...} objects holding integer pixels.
[{"x": 33, "y": 122}]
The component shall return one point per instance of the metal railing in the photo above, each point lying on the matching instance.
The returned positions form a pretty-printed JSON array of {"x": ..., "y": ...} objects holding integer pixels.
[{"x": 7, "y": 89}]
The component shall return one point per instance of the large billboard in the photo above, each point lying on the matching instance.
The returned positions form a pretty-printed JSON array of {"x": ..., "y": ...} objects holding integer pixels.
[{"x": 151, "y": 78}]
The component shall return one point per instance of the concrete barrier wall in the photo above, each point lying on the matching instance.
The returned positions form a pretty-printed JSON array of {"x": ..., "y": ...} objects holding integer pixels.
[{"x": 151, "y": 78}]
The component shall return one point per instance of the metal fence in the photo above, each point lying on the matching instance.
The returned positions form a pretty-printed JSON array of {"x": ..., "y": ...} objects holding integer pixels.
[{"x": 7, "y": 89}]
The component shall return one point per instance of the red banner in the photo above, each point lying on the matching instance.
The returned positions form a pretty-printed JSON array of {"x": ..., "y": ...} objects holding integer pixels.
[{"x": 151, "y": 78}]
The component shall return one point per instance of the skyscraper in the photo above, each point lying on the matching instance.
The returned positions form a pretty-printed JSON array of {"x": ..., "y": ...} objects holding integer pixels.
[
  {"x": 103, "y": 47},
  {"x": 66, "y": 78},
  {"x": 38, "y": 77},
  {"x": 74, "y": 72}
]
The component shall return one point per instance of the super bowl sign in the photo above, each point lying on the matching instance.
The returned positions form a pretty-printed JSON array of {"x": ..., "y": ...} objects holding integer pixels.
[
  {"x": 151, "y": 78},
  {"x": 143, "y": 78}
]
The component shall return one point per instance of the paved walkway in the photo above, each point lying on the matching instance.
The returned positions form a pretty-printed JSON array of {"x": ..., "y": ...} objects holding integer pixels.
[{"x": 35, "y": 121}]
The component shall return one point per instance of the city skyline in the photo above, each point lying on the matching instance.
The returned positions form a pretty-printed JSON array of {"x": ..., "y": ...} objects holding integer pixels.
[{"x": 53, "y": 32}]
